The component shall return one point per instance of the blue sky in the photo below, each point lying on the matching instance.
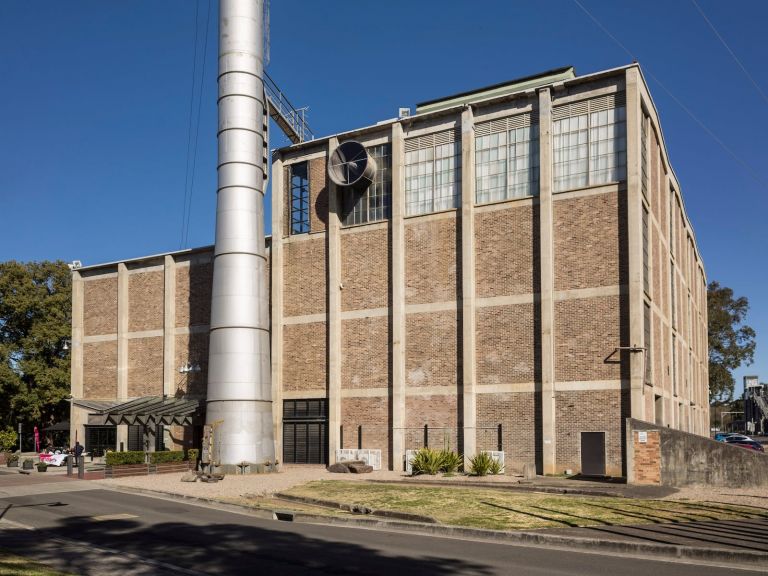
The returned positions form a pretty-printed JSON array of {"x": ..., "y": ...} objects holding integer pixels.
[{"x": 95, "y": 103}]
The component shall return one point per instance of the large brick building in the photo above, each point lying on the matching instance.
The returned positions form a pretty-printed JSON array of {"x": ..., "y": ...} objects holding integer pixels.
[{"x": 520, "y": 274}]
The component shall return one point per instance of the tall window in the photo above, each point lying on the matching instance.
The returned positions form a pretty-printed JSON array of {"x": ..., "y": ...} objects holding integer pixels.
[
  {"x": 432, "y": 172},
  {"x": 647, "y": 342},
  {"x": 644, "y": 155},
  {"x": 506, "y": 159},
  {"x": 646, "y": 255},
  {"x": 590, "y": 142},
  {"x": 375, "y": 203},
  {"x": 299, "y": 198}
]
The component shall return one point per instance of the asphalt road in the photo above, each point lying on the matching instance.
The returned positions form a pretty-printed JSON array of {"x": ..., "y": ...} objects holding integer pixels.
[{"x": 103, "y": 531}]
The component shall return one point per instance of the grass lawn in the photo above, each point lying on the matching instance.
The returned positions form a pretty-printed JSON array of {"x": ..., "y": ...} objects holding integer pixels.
[
  {"x": 13, "y": 565},
  {"x": 508, "y": 510}
]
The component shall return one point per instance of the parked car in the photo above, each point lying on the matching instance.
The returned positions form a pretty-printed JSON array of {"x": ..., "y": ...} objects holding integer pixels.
[
  {"x": 751, "y": 445},
  {"x": 721, "y": 436},
  {"x": 738, "y": 438}
]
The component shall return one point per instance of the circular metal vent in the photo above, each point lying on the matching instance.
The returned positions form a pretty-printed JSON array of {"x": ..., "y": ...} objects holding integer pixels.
[{"x": 350, "y": 165}]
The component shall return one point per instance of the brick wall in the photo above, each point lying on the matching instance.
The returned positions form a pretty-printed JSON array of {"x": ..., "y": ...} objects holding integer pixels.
[
  {"x": 191, "y": 349},
  {"x": 589, "y": 411},
  {"x": 100, "y": 306},
  {"x": 516, "y": 412},
  {"x": 365, "y": 270},
  {"x": 365, "y": 349},
  {"x": 431, "y": 270},
  {"x": 145, "y": 301},
  {"x": 586, "y": 332},
  {"x": 304, "y": 357},
  {"x": 505, "y": 260},
  {"x": 507, "y": 345},
  {"x": 647, "y": 458},
  {"x": 432, "y": 349},
  {"x": 373, "y": 415},
  {"x": 100, "y": 370},
  {"x": 439, "y": 413},
  {"x": 318, "y": 195},
  {"x": 145, "y": 366},
  {"x": 193, "y": 293},
  {"x": 304, "y": 277},
  {"x": 587, "y": 243}
]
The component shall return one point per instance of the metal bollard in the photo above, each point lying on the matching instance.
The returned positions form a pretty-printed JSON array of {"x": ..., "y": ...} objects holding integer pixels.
[
  {"x": 69, "y": 465},
  {"x": 81, "y": 467}
]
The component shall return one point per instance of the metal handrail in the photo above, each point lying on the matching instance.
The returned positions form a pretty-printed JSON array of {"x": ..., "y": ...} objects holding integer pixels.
[{"x": 295, "y": 122}]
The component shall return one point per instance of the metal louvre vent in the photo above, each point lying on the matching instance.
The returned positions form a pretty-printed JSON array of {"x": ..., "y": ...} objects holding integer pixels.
[
  {"x": 607, "y": 102},
  {"x": 431, "y": 140},
  {"x": 506, "y": 124}
]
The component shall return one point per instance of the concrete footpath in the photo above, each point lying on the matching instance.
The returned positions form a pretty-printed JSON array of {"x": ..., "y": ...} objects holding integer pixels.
[{"x": 741, "y": 543}]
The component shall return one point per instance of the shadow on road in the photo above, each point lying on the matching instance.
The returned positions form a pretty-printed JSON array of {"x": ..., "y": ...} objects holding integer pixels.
[{"x": 240, "y": 549}]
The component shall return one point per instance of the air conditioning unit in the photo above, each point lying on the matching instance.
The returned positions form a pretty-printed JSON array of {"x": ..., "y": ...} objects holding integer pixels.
[{"x": 403, "y": 113}]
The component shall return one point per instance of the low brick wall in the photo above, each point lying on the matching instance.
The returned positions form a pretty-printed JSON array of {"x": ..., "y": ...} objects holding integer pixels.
[{"x": 667, "y": 457}]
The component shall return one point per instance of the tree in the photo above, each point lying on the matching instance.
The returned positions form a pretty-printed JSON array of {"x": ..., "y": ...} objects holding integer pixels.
[
  {"x": 731, "y": 342},
  {"x": 35, "y": 324}
]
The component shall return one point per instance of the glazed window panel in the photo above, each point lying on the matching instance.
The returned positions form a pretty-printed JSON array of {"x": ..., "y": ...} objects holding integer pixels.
[
  {"x": 375, "y": 203},
  {"x": 506, "y": 159},
  {"x": 299, "y": 198},
  {"x": 589, "y": 142},
  {"x": 432, "y": 173}
]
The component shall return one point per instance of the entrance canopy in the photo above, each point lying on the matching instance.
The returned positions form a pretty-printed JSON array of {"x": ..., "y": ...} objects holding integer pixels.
[{"x": 152, "y": 410}]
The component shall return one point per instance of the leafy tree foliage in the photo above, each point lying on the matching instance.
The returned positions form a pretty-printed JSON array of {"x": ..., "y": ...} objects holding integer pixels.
[
  {"x": 35, "y": 321},
  {"x": 731, "y": 342}
]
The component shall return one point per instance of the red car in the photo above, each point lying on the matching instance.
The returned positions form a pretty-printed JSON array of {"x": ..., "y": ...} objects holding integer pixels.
[{"x": 750, "y": 444}]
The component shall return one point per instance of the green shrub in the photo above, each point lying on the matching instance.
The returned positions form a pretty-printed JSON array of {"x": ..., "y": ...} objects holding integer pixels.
[
  {"x": 426, "y": 461},
  {"x": 42, "y": 466},
  {"x": 480, "y": 464},
  {"x": 451, "y": 461},
  {"x": 193, "y": 454},
  {"x": 11, "y": 457},
  {"x": 166, "y": 456},
  {"x": 130, "y": 457},
  {"x": 7, "y": 439}
]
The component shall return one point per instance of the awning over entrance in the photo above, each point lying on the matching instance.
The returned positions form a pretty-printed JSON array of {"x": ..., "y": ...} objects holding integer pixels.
[{"x": 152, "y": 410}]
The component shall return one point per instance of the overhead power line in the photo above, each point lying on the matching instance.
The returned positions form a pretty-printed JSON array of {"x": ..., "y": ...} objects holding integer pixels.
[
  {"x": 733, "y": 55},
  {"x": 189, "y": 130},
  {"x": 752, "y": 172}
]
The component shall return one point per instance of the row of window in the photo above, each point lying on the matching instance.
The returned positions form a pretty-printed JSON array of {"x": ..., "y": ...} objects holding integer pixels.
[{"x": 589, "y": 148}]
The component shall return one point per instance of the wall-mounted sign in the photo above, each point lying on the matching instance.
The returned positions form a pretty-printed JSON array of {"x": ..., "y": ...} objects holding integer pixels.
[{"x": 642, "y": 437}]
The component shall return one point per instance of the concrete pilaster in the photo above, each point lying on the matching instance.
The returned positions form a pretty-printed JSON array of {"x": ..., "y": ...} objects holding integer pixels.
[
  {"x": 469, "y": 401},
  {"x": 122, "y": 344},
  {"x": 334, "y": 312},
  {"x": 546, "y": 243},
  {"x": 635, "y": 242},
  {"x": 77, "y": 418},
  {"x": 398, "y": 299},
  {"x": 169, "y": 328},
  {"x": 276, "y": 292}
]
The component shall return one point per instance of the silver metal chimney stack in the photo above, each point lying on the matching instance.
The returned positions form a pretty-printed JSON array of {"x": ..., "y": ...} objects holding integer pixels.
[{"x": 239, "y": 404}]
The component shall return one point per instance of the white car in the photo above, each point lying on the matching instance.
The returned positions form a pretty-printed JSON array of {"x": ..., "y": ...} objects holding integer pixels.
[{"x": 738, "y": 438}]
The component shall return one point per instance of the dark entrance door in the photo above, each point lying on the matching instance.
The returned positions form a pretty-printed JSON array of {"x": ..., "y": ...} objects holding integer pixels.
[
  {"x": 100, "y": 438},
  {"x": 593, "y": 453},
  {"x": 135, "y": 437},
  {"x": 305, "y": 431}
]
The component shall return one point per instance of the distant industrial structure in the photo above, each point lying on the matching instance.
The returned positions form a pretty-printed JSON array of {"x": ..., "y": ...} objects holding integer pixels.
[
  {"x": 506, "y": 269},
  {"x": 755, "y": 405}
]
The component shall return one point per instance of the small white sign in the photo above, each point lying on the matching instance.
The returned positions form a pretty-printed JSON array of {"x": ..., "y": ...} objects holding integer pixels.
[{"x": 642, "y": 437}]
